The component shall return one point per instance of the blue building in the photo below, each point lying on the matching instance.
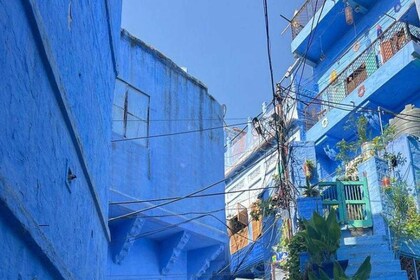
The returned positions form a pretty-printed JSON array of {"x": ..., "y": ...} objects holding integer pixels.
[
  {"x": 365, "y": 67},
  {"x": 58, "y": 76},
  {"x": 254, "y": 221},
  {"x": 364, "y": 61},
  {"x": 92, "y": 118},
  {"x": 184, "y": 237}
]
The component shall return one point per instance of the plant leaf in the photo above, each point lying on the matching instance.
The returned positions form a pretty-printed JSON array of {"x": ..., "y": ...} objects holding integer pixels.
[
  {"x": 364, "y": 270},
  {"x": 338, "y": 271},
  {"x": 323, "y": 275}
]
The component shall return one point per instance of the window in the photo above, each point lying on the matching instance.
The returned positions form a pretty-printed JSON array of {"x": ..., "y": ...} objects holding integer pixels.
[
  {"x": 356, "y": 78},
  {"x": 130, "y": 113},
  {"x": 238, "y": 229}
]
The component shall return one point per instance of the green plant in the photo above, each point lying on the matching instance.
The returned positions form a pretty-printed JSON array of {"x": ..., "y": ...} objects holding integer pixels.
[
  {"x": 322, "y": 237},
  {"x": 403, "y": 219},
  {"x": 361, "y": 126},
  {"x": 348, "y": 149},
  {"x": 308, "y": 167},
  {"x": 263, "y": 208},
  {"x": 310, "y": 190},
  {"x": 285, "y": 240},
  {"x": 381, "y": 141},
  {"x": 345, "y": 150},
  {"x": 362, "y": 273},
  {"x": 295, "y": 247}
]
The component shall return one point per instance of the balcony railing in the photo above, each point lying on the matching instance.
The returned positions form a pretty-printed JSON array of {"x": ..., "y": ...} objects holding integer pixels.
[
  {"x": 362, "y": 67},
  {"x": 304, "y": 15}
]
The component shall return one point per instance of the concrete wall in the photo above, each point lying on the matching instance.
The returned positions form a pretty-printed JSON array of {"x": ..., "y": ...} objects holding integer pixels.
[
  {"x": 57, "y": 84},
  {"x": 163, "y": 99},
  {"x": 178, "y": 164}
]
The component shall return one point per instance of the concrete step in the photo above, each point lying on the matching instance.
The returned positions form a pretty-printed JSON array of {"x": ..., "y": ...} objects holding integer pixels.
[
  {"x": 375, "y": 255},
  {"x": 377, "y": 252},
  {"x": 364, "y": 240},
  {"x": 384, "y": 266},
  {"x": 401, "y": 275},
  {"x": 364, "y": 249}
]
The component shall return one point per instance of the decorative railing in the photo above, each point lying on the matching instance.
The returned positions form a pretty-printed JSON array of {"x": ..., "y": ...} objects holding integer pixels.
[
  {"x": 350, "y": 199},
  {"x": 362, "y": 67},
  {"x": 304, "y": 15}
]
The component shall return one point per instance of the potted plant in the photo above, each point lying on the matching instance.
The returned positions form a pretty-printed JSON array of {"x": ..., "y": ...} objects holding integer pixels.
[
  {"x": 263, "y": 208},
  {"x": 367, "y": 147},
  {"x": 348, "y": 149},
  {"x": 386, "y": 183},
  {"x": 322, "y": 240},
  {"x": 308, "y": 167},
  {"x": 310, "y": 202},
  {"x": 310, "y": 190}
]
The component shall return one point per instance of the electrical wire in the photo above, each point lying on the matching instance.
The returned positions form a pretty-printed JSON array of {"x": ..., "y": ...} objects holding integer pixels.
[
  {"x": 166, "y": 203},
  {"x": 180, "y": 120},
  {"x": 334, "y": 105},
  {"x": 160, "y": 230},
  {"x": 174, "y": 133},
  {"x": 243, "y": 129},
  {"x": 175, "y": 200},
  {"x": 249, "y": 250},
  {"x": 178, "y": 197}
]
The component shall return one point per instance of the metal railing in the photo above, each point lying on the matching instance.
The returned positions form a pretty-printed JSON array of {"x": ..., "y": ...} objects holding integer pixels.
[
  {"x": 412, "y": 266},
  {"x": 362, "y": 67},
  {"x": 304, "y": 15}
]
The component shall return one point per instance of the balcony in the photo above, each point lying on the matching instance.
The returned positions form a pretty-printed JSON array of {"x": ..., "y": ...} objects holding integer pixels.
[
  {"x": 304, "y": 15},
  {"x": 351, "y": 80},
  {"x": 327, "y": 25}
]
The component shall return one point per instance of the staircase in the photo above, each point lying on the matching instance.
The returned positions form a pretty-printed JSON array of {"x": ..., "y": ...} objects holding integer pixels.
[{"x": 384, "y": 266}]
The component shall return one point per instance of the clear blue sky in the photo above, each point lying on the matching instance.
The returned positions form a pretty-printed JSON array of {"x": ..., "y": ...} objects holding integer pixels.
[{"x": 221, "y": 42}]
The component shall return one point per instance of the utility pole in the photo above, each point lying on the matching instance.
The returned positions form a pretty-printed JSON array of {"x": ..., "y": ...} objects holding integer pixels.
[{"x": 285, "y": 191}]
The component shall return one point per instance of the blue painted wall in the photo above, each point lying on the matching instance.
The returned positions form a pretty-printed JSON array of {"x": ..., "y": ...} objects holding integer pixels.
[
  {"x": 409, "y": 171},
  {"x": 57, "y": 87},
  {"x": 163, "y": 99}
]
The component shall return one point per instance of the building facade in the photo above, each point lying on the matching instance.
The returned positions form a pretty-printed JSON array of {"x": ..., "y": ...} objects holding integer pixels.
[
  {"x": 76, "y": 90},
  {"x": 363, "y": 85},
  {"x": 181, "y": 158},
  {"x": 255, "y": 222},
  {"x": 58, "y": 77},
  {"x": 364, "y": 60}
]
